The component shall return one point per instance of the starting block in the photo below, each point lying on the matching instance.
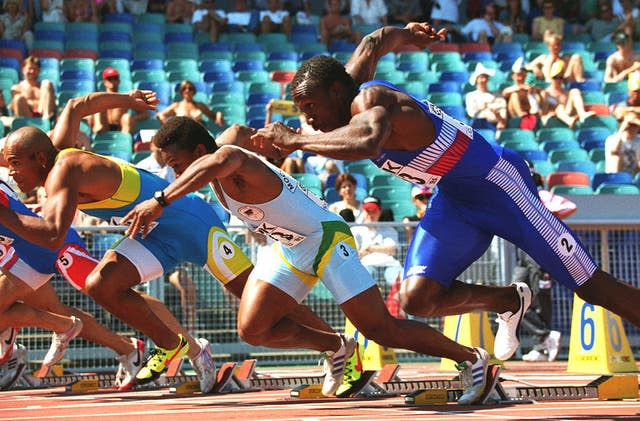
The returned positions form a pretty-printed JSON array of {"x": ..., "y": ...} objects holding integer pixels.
[
  {"x": 223, "y": 376},
  {"x": 314, "y": 391},
  {"x": 84, "y": 385}
]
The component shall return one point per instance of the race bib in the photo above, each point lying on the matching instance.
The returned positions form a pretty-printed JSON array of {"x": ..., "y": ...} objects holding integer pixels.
[
  {"x": 75, "y": 264},
  {"x": 411, "y": 175},
  {"x": 117, "y": 220},
  {"x": 7, "y": 256},
  {"x": 284, "y": 236}
]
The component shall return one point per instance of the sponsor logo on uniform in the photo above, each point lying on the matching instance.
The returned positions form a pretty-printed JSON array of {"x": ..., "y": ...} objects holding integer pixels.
[
  {"x": 252, "y": 213},
  {"x": 283, "y": 235},
  {"x": 417, "y": 270},
  {"x": 411, "y": 175}
]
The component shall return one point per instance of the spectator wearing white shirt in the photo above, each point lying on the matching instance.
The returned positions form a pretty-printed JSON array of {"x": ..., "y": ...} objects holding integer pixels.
[
  {"x": 622, "y": 149},
  {"x": 485, "y": 108},
  {"x": 487, "y": 29},
  {"x": 207, "y": 19},
  {"x": 376, "y": 244},
  {"x": 445, "y": 12},
  {"x": 275, "y": 18},
  {"x": 369, "y": 12}
]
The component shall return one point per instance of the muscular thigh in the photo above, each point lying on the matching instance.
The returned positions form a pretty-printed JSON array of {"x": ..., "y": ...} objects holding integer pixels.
[
  {"x": 444, "y": 244},
  {"x": 12, "y": 289}
]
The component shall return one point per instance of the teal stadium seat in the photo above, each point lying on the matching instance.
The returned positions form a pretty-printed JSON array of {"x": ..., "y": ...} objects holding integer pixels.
[
  {"x": 567, "y": 189},
  {"x": 41, "y": 123},
  {"x": 615, "y": 188},
  {"x": 558, "y": 155}
]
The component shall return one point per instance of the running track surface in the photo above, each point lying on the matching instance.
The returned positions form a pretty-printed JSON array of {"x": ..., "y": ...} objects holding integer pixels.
[{"x": 56, "y": 404}]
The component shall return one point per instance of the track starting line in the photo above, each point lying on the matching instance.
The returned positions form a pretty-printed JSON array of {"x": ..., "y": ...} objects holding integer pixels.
[{"x": 236, "y": 378}]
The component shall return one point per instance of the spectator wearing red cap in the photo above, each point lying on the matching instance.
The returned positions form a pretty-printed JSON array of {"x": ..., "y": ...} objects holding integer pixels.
[
  {"x": 115, "y": 119},
  {"x": 420, "y": 196},
  {"x": 376, "y": 244}
]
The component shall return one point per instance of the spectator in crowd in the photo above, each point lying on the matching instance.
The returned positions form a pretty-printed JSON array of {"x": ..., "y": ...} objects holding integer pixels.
[
  {"x": 514, "y": 16},
  {"x": 548, "y": 24},
  {"x": 369, "y": 12},
  {"x": 299, "y": 11},
  {"x": 404, "y": 11},
  {"x": 376, "y": 244},
  {"x": 135, "y": 7},
  {"x": 179, "y": 11},
  {"x": 240, "y": 18},
  {"x": 346, "y": 185},
  {"x": 207, "y": 19},
  {"x": 622, "y": 149},
  {"x": 14, "y": 24},
  {"x": 624, "y": 61},
  {"x": 336, "y": 27},
  {"x": 190, "y": 108},
  {"x": 632, "y": 104},
  {"x": 602, "y": 26},
  {"x": 630, "y": 17},
  {"x": 487, "y": 29},
  {"x": 588, "y": 9},
  {"x": 556, "y": 101},
  {"x": 485, "y": 108},
  {"x": 445, "y": 12},
  {"x": 522, "y": 101},
  {"x": 30, "y": 97},
  {"x": 275, "y": 18},
  {"x": 52, "y": 10},
  {"x": 420, "y": 196},
  {"x": 115, "y": 119},
  {"x": 82, "y": 11},
  {"x": 573, "y": 66}
]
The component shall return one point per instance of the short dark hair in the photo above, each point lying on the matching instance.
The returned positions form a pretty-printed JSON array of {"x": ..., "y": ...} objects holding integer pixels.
[
  {"x": 345, "y": 176},
  {"x": 322, "y": 71},
  {"x": 185, "y": 133}
]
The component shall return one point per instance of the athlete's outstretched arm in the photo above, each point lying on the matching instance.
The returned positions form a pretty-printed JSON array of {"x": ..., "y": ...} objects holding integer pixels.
[
  {"x": 362, "y": 64},
  {"x": 361, "y": 138},
  {"x": 225, "y": 161},
  {"x": 68, "y": 124},
  {"x": 59, "y": 209}
]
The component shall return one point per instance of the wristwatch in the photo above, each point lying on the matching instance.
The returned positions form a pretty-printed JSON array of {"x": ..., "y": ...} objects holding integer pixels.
[{"x": 159, "y": 196}]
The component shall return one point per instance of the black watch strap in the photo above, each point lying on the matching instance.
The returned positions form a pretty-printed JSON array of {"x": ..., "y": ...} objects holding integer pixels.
[{"x": 159, "y": 196}]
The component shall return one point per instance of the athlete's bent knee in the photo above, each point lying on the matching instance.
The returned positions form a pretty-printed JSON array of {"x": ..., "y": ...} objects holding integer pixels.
[
  {"x": 420, "y": 299},
  {"x": 251, "y": 336}
]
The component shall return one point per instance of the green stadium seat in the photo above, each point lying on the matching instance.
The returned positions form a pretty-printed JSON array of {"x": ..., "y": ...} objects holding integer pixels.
[
  {"x": 227, "y": 97},
  {"x": 397, "y": 193},
  {"x": 366, "y": 168},
  {"x": 310, "y": 181},
  {"x": 275, "y": 65},
  {"x": 568, "y": 189},
  {"x": 445, "y": 98},
  {"x": 601, "y": 121},
  {"x": 597, "y": 154},
  {"x": 152, "y": 75},
  {"x": 520, "y": 145},
  {"x": 272, "y": 38},
  {"x": 184, "y": 65},
  {"x": 387, "y": 180},
  {"x": 77, "y": 64},
  {"x": 139, "y": 156},
  {"x": 615, "y": 188},
  {"x": 401, "y": 210},
  {"x": 148, "y": 124},
  {"x": 615, "y": 87},
  {"x": 120, "y": 64},
  {"x": 180, "y": 75},
  {"x": 555, "y": 133},
  {"x": 558, "y": 155},
  {"x": 426, "y": 77},
  {"x": 39, "y": 122},
  {"x": 249, "y": 76},
  {"x": 517, "y": 134},
  {"x": 415, "y": 88},
  {"x": 394, "y": 76},
  {"x": 593, "y": 97},
  {"x": 114, "y": 138},
  {"x": 151, "y": 18},
  {"x": 10, "y": 74}
]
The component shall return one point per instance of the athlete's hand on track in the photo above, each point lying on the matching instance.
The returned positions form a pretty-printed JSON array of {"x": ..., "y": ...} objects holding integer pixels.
[
  {"x": 423, "y": 34},
  {"x": 140, "y": 218},
  {"x": 144, "y": 100},
  {"x": 275, "y": 135}
]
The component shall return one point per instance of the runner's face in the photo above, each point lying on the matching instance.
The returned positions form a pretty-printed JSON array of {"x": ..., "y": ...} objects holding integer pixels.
[
  {"x": 177, "y": 159},
  {"x": 23, "y": 168},
  {"x": 323, "y": 108}
]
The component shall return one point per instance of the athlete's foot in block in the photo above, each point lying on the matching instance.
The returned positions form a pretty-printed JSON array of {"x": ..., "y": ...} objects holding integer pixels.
[
  {"x": 158, "y": 359},
  {"x": 353, "y": 371},
  {"x": 336, "y": 364},
  {"x": 129, "y": 365},
  {"x": 473, "y": 377},
  {"x": 60, "y": 341},
  {"x": 204, "y": 366},
  {"x": 508, "y": 336}
]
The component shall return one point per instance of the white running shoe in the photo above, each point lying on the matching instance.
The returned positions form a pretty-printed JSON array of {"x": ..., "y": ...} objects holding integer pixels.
[
  {"x": 60, "y": 341},
  {"x": 11, "y": 370},
  {"x": 129, "y": 365},
  {"x": 473, "y": 377},
  {"x": 335, "y": 363},
  {"x": 552, "y": 342},
  {"x": 7, "y": 339},
  {"x": 534, "y": 356},
  {"x": 508, "y": 335},
  {"x": 204, "y": 366}
]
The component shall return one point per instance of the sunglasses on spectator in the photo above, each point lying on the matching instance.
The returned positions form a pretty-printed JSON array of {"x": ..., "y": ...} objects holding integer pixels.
[
  {"x": 114, "y": 79},
  {"x": 423, "y": 197},
  {"x": 188, "y": 90}
]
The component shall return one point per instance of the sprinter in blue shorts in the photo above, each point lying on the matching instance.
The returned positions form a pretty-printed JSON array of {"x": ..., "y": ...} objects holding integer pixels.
[{"x": 482, "y": 190}]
